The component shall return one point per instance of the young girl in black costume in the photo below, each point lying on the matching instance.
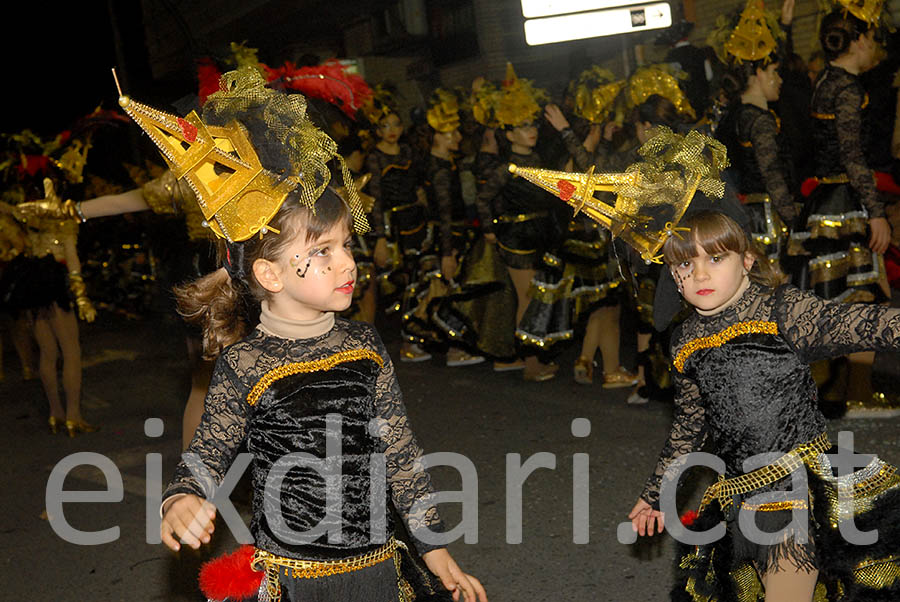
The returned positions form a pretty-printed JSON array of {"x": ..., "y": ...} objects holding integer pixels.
[
  {"x": 743, "y": 383},
  {"x": 302, "y": 378}
]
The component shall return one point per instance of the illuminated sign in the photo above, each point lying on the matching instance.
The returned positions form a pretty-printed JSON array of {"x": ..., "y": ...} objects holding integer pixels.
[
  {"x": 532, "y": 9},
  {"x": 607, "y": 22}
]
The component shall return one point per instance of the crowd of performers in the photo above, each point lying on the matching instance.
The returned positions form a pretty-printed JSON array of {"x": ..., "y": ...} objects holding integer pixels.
[{"x": 479, "y": 264}]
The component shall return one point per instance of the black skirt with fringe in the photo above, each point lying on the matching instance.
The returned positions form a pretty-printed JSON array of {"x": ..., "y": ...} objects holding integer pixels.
[
  {"x": 32, "y": 283},
  {"x": 729, "y": 569}
]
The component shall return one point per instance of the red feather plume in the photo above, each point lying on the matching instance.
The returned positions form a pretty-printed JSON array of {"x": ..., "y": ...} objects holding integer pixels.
[
  {"x": 208, "y": 76},
  {"x": 328, "y": 81},
  {"x": 230, "y": 576}
]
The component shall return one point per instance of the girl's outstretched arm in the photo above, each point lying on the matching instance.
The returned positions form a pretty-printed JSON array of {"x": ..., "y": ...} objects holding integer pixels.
[{"x": 820, "y": 329}]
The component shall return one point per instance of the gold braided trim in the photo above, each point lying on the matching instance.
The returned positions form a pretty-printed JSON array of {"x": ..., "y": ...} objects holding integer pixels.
[
  {"x": 878, "y": 574},
  {"x": 515, "y": 251},
  {"x": 724, "y": 489},
  {"x": 404, "y": 167},
  {"x": 719, "y": 339},
  {"x": 776, "y": 506},
  {"x": 326, "y": 363},
  {"x": 273, "y": 565},
  {"x": 746, "y": 143},
  {"x": 815, "y": 115}
]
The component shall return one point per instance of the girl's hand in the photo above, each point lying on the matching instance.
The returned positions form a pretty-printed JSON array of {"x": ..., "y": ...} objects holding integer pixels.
[
  {"x": 881, "y": 234},
  {"x": 787, "y": 12},
  {"x": 189, "y": 520},
  {"x": 555, "y": 116},
  {"x": 643, "y": 517},
  {"x": 593, "y": 138},
  {"x": 442, "y": 564}
]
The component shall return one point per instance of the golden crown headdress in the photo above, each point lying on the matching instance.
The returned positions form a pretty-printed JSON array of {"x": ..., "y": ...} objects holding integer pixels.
[
  {"x": 596, "y": 94},
  {"x": 236, "y": 193},
  {"x": 870, "y": 11},
  {"x": 751, "y": 35},
  {"x": 515, "y": 103},
  {"x": 652, "y": 195},
  {"x": 662, "y": 80},
  {"x": 443, "y": 112}
]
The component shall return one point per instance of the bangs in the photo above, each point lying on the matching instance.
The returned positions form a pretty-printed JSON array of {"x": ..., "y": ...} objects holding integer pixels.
[
  {"x": 714, "y": 232},
  {"x": 330, "y": 210}
]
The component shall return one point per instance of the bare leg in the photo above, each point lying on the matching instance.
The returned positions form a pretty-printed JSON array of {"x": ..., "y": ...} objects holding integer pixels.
[
  {"x": 859, "y": 379},
  {"x": 521, "y": 281},
  {"x": 65, "y": 327},
  {"x": 789, "y": 584},
  {"x": 643, "y": 344},
  {"x": 201, "y": 373},
  {"x": 49, "y": 355},
  {"x": 23, "y": 341},
  {"x": 607, "y": 329}
]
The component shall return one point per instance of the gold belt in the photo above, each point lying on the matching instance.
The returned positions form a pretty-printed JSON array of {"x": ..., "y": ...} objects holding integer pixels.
[
  {"x": 725, "y": 490},
  {"x": 273, "y": 564},
  {"x": 838, "y": 179},
  {"x": 521, "y": 217}
]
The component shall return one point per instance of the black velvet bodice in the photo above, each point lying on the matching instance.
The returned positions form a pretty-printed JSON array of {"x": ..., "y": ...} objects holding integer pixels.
[
  {"x": 518, "y": 195},
  {"x": 742, "y": 376},
  {"x": 393, "y": 183},
  {"x": 333, "y": 400}
]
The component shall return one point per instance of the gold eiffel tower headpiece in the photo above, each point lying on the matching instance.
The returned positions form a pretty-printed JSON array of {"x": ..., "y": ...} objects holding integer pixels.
[
  {"x": 596, "y": 93},
  {"x": 651, "y": 196},
  {"x": 752, "y": 39},
  {"x": 236, "y": 193},
  {"x": 443, "y": 111}
]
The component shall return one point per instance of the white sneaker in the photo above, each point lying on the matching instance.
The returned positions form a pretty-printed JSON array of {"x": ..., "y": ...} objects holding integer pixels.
[
  {"x": 414, "y": 353},
  {"x": 637, "y": 398}
]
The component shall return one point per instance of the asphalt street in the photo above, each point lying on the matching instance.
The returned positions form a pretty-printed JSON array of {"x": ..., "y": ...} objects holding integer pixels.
[{"x": 136, "y": 370}]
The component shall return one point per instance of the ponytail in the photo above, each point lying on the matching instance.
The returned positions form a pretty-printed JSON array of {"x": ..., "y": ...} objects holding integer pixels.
[{"x": 218, "y": 306}]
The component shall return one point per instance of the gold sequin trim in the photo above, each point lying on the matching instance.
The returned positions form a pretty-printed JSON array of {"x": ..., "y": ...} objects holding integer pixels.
[
  {"x": 273, "y": 564},
  {"x": 724, "y": 489},
  {"x": 326, "y": 363},
  {"x": 776, "y": 506},
  {"x": 719, "y": 339}
]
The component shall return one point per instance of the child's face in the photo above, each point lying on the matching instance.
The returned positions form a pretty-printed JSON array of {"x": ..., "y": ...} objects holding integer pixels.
[
  {"x": 391, "y": 128},
  {"x": 709, "y": 282},
  {"x": 317, "y": 276},
  {"x": 525, "y": 135}
]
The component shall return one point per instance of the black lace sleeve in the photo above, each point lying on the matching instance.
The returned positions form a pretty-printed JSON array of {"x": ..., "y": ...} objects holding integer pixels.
[
  {"x": 575, "y": 147},
  {"x": 493, "y": 178},
  {"x": 442, "y": 185},
  {"x": 764, "y": 137},
  {"x": 376, "y": 216},
  {"x": 848, "y": 104},
  {"x": 221, "y": 431},
  {"x": 411, "y": 487},
  {"x": 819, "y": 329},
  {"x": 687, "y": 435}
]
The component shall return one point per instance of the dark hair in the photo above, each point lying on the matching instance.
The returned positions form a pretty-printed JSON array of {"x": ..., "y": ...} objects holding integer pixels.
[
  {"x": 734, "y": 81},
  {"x": 658, "y": 110},
  {"x": 225, "y": 308},
  {"x": 715, "y": 232},
  {"x": 838, "y": 30}
]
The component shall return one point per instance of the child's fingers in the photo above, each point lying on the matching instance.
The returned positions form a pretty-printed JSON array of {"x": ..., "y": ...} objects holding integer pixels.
[
  {"x": 478, "y": 591},
  {"x": 165, "y": 532},
  {"x": 182, "y": 531}
]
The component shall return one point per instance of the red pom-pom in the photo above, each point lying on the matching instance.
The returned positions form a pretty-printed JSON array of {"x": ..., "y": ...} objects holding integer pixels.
[
  {"x": 208, "y": 77},
  {"x": 230, "y": 576},
  {"x": 566, "y": 189},
  {"x": 809, "y": 184},
  {"x": 688, "y": 518},
  {"x": 189, "y": 130}
]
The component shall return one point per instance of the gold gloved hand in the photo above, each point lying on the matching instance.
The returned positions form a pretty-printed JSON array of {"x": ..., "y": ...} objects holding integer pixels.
[
  {"x": 86, "y": 309},
  {"x": 49, "y": 207}
]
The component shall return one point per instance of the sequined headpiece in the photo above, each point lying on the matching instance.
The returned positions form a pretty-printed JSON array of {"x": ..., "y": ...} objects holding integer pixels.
[
  {"x": 651, "y": 196},
  {"x": 658, "y": 79},
  {"x": 514, "y": 104},
  {"x": 870, "y": 11},
  {"x": 751, "y": 36},
  {"x": 443, "y": 112},
  {"x": 596, "y": 93},
  {"x": 237, "y": 194},
  {"x": 379, "y": 105}
]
